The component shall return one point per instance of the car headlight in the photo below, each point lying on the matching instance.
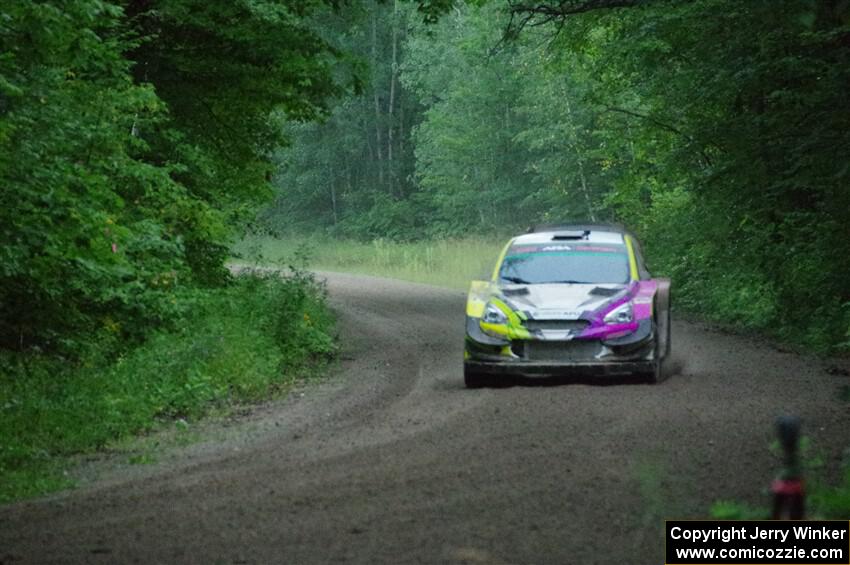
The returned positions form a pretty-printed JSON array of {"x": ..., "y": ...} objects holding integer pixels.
[
  {"x": 622, "y": 314},
  {"x": 494, "y": 315}
]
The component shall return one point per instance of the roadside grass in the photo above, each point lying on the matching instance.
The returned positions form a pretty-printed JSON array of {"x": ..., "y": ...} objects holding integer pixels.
[
  {"x": 449, "y": 263},
  {"x": 823, "y": 502},
  {"x": 240, "y": 344},
  {"x": 650, "y": 476}
]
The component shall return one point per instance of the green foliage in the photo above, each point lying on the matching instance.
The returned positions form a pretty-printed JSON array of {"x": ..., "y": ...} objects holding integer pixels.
[
  {"x": 237, "y": 344},
  {"x": 350, "y": 175},
  {"x": 731, "y": 510},
  {"x": 230, "y": 74},
  {"x": 715, "y": 129},
  {"x": 464, "y": 154},
  {"x": 833, "y": 502},
  {"x": 736, "y": 134},
  {"x": 133, "y": 136},
  {"x": 73, "y": 261},
  {"x": 479, "y": 137}
]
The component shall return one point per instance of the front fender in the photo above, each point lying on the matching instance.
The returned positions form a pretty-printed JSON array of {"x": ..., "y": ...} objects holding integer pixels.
[{"x": 473, "y": 332}]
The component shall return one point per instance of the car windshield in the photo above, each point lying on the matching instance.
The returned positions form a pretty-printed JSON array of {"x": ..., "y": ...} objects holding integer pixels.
[{"x": 579, "y": 264}]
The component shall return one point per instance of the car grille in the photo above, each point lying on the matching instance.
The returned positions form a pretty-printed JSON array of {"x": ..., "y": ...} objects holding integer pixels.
[
  {"x": 575, "y": 351},
  {"x": 573, "y": 325}
]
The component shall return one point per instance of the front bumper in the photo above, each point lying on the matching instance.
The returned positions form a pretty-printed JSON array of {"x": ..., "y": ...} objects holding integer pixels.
[
  {"x": 631, "y": 355},
  {"x": 558, "y": 369}
]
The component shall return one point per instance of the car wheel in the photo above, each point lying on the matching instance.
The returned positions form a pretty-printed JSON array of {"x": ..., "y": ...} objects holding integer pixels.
[
  {"x": 474, "y": 379},
  {"x": 662, "y": 351},
  {"x": 656, "y": 374}
]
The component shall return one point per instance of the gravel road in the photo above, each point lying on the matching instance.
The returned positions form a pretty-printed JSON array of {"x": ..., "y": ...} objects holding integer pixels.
[{"x": 391, "y": 460}]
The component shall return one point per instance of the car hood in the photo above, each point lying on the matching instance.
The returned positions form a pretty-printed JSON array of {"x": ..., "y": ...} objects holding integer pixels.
[{"x": 561, "y": 301}]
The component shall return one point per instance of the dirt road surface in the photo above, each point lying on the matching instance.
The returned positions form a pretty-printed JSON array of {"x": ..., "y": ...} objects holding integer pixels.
[{"x": 391, "y": 460}]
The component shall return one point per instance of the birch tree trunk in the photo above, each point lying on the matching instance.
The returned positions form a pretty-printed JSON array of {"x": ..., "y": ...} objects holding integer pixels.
[
  {"x": 580, "y": 160},
  {"x": 393, "y": 77},
  {"x": 378, "y": 140}
]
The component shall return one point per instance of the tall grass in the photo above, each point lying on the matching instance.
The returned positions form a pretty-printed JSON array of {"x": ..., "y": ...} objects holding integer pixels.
[{"x": 449, "y": 263}]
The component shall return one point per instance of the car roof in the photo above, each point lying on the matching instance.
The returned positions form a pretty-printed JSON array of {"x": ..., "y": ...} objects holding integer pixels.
[{"x": 571, "y": 233}]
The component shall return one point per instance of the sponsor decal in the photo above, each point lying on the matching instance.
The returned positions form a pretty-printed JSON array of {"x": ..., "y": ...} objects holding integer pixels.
[
  {"x": 524, "y": 249},
  {"x": 555, "y": 315},
  {"x": 599, "y": 249},
  {"x": 560, "y": 247}
]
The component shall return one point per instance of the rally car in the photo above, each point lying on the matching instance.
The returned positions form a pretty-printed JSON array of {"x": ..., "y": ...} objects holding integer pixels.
[{"x": 570, "y": 300}]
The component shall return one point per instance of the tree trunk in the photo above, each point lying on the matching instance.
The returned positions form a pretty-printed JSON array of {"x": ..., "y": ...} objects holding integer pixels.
[
  {"x": 393, "y": 75},
  {"x": 331, "y": 191},
  {"x": 580, "y": 160},
  {"x": 401, "y": 130},
  {"x": 378, "y": 136},
  {"x": 366, "y": 131},
  {"x": 333, "y": 203}
]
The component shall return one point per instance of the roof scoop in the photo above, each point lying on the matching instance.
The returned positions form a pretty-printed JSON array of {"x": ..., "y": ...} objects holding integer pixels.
[{"x": 570, "y": 235}]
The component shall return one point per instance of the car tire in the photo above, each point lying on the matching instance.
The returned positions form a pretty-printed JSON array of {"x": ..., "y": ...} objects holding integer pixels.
[
  {"x": 662, "y": 351},
  {"x": 474, "y": 379},
  {"x": 656, "y": 374}
]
